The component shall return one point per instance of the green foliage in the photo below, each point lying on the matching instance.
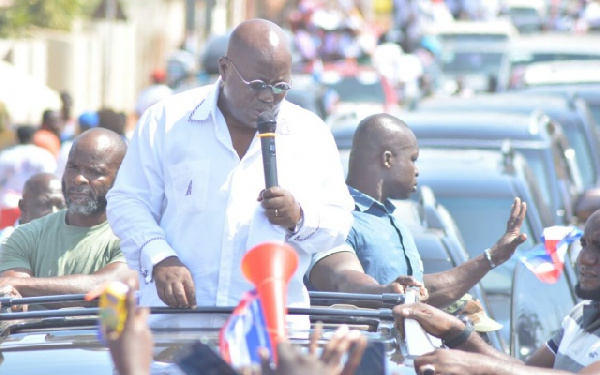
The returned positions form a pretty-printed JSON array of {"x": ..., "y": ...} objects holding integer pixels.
[{"x": 50, "y": 14}]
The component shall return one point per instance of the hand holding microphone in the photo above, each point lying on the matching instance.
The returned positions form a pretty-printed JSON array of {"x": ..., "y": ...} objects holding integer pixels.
[{"x": 280, "y": 205}]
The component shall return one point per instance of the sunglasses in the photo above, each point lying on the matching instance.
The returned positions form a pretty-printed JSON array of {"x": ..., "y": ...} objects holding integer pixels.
[{"x": 260, "y": 85}]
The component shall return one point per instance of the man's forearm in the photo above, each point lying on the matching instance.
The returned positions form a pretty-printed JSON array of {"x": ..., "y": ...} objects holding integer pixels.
[
  {"x": 449, "y": 286},
  {"x": 71, "y": 284}
]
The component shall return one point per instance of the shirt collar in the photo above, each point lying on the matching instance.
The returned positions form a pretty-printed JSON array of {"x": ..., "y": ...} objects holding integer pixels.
[
  {"x": 208, "y": 104},
  {"x": 202, "y": 112},
  {"x": 591, "y": 313},
  {"x": 363, "y": 202}
]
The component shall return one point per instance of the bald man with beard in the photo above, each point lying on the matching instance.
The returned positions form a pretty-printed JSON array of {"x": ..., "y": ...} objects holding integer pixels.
[
  {"x": 72, "y": 250},
  {"x": 185, "y": 202}
]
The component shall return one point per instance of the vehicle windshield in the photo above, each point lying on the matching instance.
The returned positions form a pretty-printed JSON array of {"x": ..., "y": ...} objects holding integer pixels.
[
  {"x": 363, "y": 88},
  {"x": 482, "y": 220},
  {"x": 472, "y": 38},
  {"x": 469, "y": 62}
]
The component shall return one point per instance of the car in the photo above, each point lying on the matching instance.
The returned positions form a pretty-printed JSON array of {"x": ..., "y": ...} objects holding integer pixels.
[
  {"x": 66, "y": 341},
  {"x": 543, "y": 47},
  {"x": 472, "y": 53},
  {"x": 539, "y": 139},
  {"x": 561, "y": 72},
  {"x": 570, "y": 112},
  {"x": 477, "y": 187},
  {"x": 356, "y": 86},
  {"x": 528, "y": 16},
  {"x": 588, "y": 92}
]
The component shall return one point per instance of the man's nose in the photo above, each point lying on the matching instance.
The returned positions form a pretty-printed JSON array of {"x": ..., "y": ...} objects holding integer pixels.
[
  {"x": 80, "y": 179},
  {"x": 266, "y": 95}
]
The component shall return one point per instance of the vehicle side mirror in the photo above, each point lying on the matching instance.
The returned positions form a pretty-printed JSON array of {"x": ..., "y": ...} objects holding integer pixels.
[{"x": 587, "y": 203}]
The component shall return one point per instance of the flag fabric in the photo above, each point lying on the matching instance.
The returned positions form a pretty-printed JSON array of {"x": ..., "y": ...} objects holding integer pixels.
[
  {"x": 547, "y": 260},
  {"x": 244, "y": 332}
]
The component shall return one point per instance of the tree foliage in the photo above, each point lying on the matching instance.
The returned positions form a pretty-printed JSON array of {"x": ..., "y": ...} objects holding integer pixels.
[{"x": 50, "y": 14}]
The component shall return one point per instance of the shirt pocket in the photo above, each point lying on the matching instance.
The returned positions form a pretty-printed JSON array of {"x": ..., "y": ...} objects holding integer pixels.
[{"x": 189, "y": 185}]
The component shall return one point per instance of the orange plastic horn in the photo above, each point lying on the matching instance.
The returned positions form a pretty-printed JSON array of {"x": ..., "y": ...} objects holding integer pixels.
[{"x": 269, "y": 266}]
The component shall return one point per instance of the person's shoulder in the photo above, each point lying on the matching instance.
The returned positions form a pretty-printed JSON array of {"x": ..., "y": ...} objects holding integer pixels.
[
  {"x": 180, "y": 104},
  {"x": 54, "y": 218}
]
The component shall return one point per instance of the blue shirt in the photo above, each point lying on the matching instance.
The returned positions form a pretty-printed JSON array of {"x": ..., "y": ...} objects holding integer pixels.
[{"x": 385, "y": 246}]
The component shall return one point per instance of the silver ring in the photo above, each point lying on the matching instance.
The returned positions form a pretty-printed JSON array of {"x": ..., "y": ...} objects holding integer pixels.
[
  {"x": 428, "y": 369},
  {"x": 276, "y": 212}
]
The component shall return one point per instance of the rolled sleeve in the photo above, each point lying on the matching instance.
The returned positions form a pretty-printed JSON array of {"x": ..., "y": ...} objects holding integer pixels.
[{"x": 321, "y": 255}]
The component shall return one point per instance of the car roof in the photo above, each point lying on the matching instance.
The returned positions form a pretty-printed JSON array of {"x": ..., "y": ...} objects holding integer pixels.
[
  {"x": 586, "y": 90},
  {"x": 479, "y": 167},
  {"x": 494, "y": 27},
  {"x": 477, "y": 125}
]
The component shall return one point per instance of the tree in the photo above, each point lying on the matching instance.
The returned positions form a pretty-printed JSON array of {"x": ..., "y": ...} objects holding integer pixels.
[{"x": 50, "y": 14}]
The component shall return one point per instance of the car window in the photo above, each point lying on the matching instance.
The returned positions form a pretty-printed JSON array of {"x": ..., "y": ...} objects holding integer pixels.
[
  {"x": 364, "y": 88},
  {"x": 469, "y": 62},
  {"x": 482, "y": 220},
  {"x": 537, "y": 310},
  {"x": 579, "y": 143},
  {"x": 595, "y": 109},
  {"x": 535, "y": 160}
]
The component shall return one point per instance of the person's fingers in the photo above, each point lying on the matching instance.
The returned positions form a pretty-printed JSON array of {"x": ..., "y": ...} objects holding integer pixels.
[
  {"x": 314, "y": 337},
  {"x": 357, "y": 349},
  {"x": 190, "y": 291},
  {"x": 168, "y": 297},
  {"x": 260, "y": 196},
  {"x": 179, "y": 295},
  {"x": 331, "y": 352}
]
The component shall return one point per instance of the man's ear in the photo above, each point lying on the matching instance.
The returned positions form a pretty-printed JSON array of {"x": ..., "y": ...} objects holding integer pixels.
[
  {"x": 386, "y": 159},
  {"x": 223, "y": 67},
  {"x": 21, "y": 204}
]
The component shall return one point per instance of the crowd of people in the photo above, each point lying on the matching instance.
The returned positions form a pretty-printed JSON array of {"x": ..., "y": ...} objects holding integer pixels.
[{"x": 174, "y": 209}]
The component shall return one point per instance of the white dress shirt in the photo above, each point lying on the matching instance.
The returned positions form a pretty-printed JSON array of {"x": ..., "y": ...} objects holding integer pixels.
[{"x": 183, "y": 190}]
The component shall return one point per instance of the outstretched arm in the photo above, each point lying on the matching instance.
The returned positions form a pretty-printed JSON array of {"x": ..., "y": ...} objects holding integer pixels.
[
  {"x": 448, "y": 286},
  {"x": 342, "y": 272},
  {"x": 29, "y": 286}
]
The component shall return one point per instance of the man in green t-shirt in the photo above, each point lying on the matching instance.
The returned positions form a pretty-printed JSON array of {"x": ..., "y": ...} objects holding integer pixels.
[{"x": 72, "y": 250}]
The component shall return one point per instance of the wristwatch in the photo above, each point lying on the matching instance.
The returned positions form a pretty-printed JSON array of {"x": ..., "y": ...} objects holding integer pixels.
[{"x": 463, "y": 336}]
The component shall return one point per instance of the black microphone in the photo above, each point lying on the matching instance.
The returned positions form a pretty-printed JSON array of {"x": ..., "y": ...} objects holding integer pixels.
[{"x": 266, "y": 125}]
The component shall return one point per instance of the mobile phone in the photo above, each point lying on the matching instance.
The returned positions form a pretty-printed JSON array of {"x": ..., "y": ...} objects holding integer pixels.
[{"x": 199, "y": 358}]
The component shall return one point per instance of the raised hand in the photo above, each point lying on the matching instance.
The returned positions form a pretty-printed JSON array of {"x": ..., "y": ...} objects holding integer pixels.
[{"x": 505, "y": 247}]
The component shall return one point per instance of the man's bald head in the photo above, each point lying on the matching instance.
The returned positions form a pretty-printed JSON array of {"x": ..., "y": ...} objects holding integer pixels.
[
  {"x": 259, "y": 38},
  {"x": 374, "y": 134},
  {"x": 258, "y": 50},
  {"x": 41, "y": 195},
  {"x": 101, "y": 143},
  {"x": 382, "y": 159}
]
